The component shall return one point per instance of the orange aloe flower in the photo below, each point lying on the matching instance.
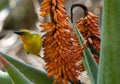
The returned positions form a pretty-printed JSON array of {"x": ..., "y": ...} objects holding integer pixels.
[
  {"x": 88, "y": 26},
  {"x": 62, "y": 52}
]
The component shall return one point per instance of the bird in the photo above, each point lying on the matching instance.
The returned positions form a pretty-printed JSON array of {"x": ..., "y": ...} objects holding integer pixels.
[{"x": 31, "y": 42}]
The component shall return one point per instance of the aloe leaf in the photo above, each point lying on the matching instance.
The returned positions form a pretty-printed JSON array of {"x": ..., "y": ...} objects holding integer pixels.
[
  {"x": 109, "y": 67},
  {"x": 35, "y": 75},
  {"x": 16, "y": 76},
  {"x": 87, "y": 70},
  {"x": 4, "y": 78},
  {"x": 90, "y": 63},
  {"x": 86, "y": 67}
]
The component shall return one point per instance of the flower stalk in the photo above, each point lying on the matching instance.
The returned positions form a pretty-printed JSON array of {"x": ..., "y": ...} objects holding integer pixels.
[{"x": 62, "y": 51}]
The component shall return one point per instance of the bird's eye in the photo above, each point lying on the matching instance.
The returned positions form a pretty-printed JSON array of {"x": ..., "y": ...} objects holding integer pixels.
[{"x": 21, "y": 33}]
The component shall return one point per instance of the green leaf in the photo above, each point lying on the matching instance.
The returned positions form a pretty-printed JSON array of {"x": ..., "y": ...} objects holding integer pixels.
[
  {"x": 89, "y": 62},
  {"x": 4, "y": 78},
  {"x": 87, "y": 69},
  {"x": 109, "y": 66},
  {"x": 16, "y": 76},
  {"x": 37, "y": 76},
  {"x": 92, "y": 65}
]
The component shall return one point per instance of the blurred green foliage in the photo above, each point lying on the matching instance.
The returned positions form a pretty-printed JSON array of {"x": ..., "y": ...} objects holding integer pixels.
[
  {"x": 4, "y": 78},
  {"x": 3, "y": 4}
]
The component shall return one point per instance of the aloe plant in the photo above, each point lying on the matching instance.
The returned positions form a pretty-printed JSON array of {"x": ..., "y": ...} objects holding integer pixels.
[
  {"x": 35, "y": 75},
  {"x": 16, "y": 76},
  {"x": 108, "y": 71},
  {"x": 89, "y": 62},
  {"x": 109, "y": 67}
]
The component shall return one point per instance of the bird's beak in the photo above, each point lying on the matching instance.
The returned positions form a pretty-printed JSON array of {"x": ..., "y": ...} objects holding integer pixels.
[{"x": 18, "y": 32}]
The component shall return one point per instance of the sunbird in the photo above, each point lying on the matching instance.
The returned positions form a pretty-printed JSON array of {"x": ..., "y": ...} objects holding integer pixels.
[{"x": 31, "y": 42}]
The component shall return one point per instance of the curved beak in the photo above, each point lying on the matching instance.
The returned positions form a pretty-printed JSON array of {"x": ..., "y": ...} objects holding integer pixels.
[{"x": 18, "y": 32}]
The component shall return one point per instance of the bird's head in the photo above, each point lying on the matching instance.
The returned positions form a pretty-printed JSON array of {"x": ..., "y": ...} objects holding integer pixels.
[
  {"x": 22, "y": 32},
  {"x": 25, "y": 35}
]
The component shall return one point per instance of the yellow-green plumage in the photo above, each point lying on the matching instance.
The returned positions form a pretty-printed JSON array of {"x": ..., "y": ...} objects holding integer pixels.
[{"x": 31, "y": 42}]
